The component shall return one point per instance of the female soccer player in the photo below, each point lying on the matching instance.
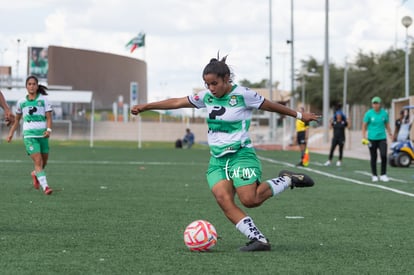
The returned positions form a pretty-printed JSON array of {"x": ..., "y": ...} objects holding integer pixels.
[
  {"x": 234, "y": 167},
  {"x": 36, "y": 112}
]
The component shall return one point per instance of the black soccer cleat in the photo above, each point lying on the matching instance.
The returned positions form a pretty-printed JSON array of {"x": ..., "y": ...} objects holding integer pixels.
[
  {"x": 255, "y": 245},
  {"x": 297, "y": 179}
]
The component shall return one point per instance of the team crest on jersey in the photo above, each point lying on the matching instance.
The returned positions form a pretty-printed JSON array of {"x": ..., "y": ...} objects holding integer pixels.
[
  {"x": 196, "y": 97},
  {"x": 233, "y": 100}
]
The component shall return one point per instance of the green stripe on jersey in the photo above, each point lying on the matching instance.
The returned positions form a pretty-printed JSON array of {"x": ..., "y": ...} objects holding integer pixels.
[{"x": 228, "y": 127}]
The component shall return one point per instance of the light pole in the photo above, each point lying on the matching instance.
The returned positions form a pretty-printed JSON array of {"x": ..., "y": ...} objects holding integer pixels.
[
  {"x": 18, "y": 61},
  {"x": 303, "y": 89},
  {"x": 292, "y": 64},
  {"x": 326, "y": 77},
  {"x": 2, "y": 56},
  {"x": 345, "y": 91},
  {"x": 270, "y": 58},
  {"x": 407, "y": 21}
]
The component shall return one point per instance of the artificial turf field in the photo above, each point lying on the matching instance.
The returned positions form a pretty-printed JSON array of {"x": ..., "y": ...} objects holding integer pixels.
[{"x": 117, "y": 209}]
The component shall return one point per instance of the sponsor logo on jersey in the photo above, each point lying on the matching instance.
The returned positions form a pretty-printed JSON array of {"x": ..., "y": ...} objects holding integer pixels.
[{"x": 233, "y": 100}]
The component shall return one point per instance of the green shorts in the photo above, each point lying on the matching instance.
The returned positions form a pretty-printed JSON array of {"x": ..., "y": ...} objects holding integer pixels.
[
  {"x": 36, "y": 145},
  {"x": 242, "y": 167}
]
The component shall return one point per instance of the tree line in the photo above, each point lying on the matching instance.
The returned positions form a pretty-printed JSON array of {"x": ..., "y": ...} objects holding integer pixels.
[{"x": 368, "y": 75}]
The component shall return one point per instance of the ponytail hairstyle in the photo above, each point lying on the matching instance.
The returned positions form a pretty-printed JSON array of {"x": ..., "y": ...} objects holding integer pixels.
[
  {"x": 218, "y": 68},
  {"x": 41, "y": 88}
]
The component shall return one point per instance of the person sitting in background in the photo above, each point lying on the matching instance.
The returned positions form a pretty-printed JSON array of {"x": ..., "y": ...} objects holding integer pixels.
[
  {"x": 402, "y": 127},
  {"x": 188, "y": 139}
]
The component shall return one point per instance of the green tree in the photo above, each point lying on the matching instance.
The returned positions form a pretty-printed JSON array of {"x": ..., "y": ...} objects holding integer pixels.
[
  {"x": 262, "y": 84},
  {"x": 370, "y": 75}
]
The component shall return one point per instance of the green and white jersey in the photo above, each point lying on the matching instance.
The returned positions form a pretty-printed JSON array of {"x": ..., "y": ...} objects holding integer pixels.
[
  {"x": 34, "y": 115},
  {"x": 229, "y": 118}
]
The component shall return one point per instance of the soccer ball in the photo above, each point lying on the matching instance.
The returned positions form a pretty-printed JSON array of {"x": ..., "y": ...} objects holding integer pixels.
[{"x": 200, "y": 235}]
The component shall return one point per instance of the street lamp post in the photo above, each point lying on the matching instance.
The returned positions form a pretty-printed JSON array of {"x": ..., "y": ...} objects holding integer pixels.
[
  {"x": 345, "y": 91},
  {"x": 407, "y": 21},
  {"x": 326, "y": 77},
  {"x": 18, "y": 61},
  {"x": 303, "y": 89},
  {"x": 272, "y": 124},
  {"x": 2, "y": 56}
]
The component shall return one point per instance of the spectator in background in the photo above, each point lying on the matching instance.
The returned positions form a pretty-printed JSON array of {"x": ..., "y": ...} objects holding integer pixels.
[
  {"x": 338, "y": 109},
  {"x": 402, "y": 126},
  {"x": 338, "y": 125},
  {"x": 376, "y": 123},
  {"x": 188, "y": 139}
]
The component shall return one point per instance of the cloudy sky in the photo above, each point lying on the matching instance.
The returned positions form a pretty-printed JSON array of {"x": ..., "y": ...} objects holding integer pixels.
[{"x": 182, "y": 35}]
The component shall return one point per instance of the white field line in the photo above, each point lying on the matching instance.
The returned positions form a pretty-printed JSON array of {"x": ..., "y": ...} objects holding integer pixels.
[
  {"x": 109, "y": 162},
  {"x": 369, "y": 175},
  {"x": 329, "y": 175}
]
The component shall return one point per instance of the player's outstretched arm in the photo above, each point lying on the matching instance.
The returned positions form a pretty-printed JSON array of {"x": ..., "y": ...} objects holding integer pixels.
[
  {"x": 168, "y": 104},
  {"x": 9, "y": 117},
  {"x": 14, "y": 127},
  {"x": 281, "y": 109}
]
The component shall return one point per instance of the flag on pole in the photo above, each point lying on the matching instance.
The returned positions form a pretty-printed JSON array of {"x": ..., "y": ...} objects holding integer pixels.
[{"x": 136, "y": 42}]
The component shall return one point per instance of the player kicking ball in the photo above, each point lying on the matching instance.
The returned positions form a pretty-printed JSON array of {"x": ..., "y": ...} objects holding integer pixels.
[{"x": 234, "y": 168}]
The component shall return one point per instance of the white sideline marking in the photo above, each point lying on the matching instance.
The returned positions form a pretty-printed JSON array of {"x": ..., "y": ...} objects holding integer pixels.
[
  {"x": 294, "y": 217},
  {"x": 193, "y": 163},
  {"x": 107, "y": 162},
  {"x": 341, "y": 178},
  {"x": 369, "y": 174}
]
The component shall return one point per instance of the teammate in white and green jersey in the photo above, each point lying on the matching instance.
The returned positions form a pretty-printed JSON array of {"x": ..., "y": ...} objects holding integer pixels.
[
  {"x": 36, "y": 112},
  {"x": 234, "y": 167}
]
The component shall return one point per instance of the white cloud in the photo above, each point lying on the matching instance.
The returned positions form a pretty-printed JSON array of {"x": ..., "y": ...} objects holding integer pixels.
[{"x": 183, "y": 35}]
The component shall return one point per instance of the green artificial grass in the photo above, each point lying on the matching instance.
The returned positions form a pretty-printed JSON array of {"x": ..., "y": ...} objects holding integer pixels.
[{"x": 117, "y": 209}]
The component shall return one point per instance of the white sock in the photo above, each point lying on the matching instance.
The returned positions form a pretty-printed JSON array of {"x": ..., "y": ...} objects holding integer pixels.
[
  {"x": 279, "y": 184},
  {"x": 247, "y": 227},
  {"x": 41, "y": 177}
]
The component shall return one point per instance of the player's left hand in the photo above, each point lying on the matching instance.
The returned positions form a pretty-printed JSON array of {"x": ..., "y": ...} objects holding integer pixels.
[
  {"x": 306, "y": 117},
  {"x": 136, "y": 109},
  {"x": 9, "y": 120}
]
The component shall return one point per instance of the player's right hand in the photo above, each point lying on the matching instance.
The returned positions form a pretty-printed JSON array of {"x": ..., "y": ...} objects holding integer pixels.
[{"x": 135, "y": 110}]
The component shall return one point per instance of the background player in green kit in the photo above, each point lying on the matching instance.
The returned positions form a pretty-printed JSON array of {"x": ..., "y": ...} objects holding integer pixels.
[
  {"x": 376, "y": 123},
  {"x": 36, "y": 112},
  {"x": 234, "y": 167}
]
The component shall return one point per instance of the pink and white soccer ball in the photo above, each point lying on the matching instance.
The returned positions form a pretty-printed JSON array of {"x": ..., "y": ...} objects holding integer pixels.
[{"x": 200, "y": 235}]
